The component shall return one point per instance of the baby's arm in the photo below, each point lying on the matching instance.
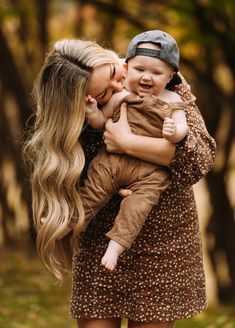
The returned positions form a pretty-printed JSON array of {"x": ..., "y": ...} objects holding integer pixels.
[
  {"x": 94, "y": 115},
  {"x": 175, "y": 128},
  {"x": 97, "y": 117}
]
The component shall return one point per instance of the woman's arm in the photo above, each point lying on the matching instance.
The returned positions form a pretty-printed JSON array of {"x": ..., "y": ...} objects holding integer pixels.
[
  {"x": 194, "y": 155},
  {"x": 119, "y": 139},
  {"x": 188, "y": 162}
]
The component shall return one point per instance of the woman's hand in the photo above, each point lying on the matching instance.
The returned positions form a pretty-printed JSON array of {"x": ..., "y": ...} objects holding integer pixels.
[{"x": 116, "y": 134}]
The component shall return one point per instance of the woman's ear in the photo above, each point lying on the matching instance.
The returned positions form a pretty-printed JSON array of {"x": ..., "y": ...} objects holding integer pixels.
[{"x": 125, "y": 66}]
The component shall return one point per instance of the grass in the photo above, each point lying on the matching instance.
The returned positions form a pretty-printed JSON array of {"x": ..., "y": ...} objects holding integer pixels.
[
  {"x": 30, "y": 298},
  {"x": 29, "y": 294}
]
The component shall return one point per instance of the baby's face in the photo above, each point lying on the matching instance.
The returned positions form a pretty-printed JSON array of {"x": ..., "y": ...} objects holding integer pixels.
[{"x": 148, "y": 75}]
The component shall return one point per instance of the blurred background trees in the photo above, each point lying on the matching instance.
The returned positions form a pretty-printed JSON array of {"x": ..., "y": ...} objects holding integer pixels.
[{"x": 205, "y": 32}]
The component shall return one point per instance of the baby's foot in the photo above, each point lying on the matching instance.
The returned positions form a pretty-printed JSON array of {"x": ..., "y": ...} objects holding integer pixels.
[{"x": 109, "y": 260}]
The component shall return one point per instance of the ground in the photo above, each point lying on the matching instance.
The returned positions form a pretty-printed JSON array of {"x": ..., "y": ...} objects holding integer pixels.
[{"x": 30, "y": 298}]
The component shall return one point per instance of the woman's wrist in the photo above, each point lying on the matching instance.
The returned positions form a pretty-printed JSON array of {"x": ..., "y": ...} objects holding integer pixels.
[
  {"x": 130, "y": 143},
  {"x": 127, "y": 142},
  {"x": 154, "y": 150}
]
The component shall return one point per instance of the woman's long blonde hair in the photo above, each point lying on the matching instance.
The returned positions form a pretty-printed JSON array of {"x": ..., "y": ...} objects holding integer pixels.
[{"x": 53, "y": 150}]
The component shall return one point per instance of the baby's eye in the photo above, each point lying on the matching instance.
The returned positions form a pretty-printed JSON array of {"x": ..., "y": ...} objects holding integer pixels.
[{"x": 139, "y": 69}]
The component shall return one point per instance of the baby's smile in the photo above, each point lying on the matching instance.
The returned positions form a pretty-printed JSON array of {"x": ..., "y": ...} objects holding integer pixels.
[{"x": 145, "y": 86}]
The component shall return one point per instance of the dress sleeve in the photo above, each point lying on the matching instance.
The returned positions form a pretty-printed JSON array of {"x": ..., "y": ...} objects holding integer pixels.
[{"x": 195, "y": 154}]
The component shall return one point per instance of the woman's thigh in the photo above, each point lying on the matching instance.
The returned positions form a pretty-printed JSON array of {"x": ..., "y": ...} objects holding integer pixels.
[
  {"x": 99, "y": 323},
  {"x": 135, "y": 324}
]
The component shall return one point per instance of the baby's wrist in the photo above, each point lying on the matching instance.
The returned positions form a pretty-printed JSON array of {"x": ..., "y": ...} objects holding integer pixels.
[
  {"x": 91, "y": 110},
  {"x": 92, "y": 113},
  {"x": 170, "y": 138}
]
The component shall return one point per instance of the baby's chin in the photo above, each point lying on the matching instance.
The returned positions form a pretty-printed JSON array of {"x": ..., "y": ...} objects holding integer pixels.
[
  {"x": 144, "y": 89},
  {"x": 143, "y": 93}
]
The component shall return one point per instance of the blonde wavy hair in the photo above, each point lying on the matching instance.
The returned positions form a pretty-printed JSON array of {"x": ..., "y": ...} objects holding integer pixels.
[{"x": 53, "y": 151}]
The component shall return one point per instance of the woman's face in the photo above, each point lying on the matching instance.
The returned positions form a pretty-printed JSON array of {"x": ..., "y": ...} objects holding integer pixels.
[{"x": 106, "y": 80}]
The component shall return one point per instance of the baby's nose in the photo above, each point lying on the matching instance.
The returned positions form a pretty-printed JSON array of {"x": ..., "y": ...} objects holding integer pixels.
[{"x": 147, "y": 76}]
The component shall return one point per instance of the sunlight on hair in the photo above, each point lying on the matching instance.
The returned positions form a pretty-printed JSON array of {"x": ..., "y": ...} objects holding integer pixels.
[{"x": 53, "y": 151}]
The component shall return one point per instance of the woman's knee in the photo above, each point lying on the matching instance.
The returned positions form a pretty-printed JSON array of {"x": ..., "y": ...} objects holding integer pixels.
[
  {"x": 136, "y": 324},
  {"x": 99, "y": 323}
]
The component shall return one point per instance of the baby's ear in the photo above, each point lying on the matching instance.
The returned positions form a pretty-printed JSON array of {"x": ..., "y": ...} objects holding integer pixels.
[{"x": 171, "y": 76}]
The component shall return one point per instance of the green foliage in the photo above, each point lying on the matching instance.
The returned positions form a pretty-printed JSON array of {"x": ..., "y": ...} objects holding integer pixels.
[
  {"x": 30, "y": 296},
  {"x": 31, "y": 299},
  {"x": 208, "y": 320}
]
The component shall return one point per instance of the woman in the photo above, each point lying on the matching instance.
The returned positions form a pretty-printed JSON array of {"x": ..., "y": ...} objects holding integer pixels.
[{"x": 160, "y": 279}]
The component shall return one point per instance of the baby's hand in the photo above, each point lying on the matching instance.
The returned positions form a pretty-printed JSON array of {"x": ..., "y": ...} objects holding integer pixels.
[
  {"x": 169, "y": 128},
  {"x": 91, "y": 105}
]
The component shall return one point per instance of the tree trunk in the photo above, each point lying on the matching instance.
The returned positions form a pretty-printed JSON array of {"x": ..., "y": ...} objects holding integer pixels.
[
  {"x": 14, "y": 88},
  {"x": 222, "y": 227}
]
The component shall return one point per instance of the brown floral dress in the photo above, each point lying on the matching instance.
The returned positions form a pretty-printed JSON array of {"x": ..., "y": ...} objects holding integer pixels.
[{"x": 160, "y": 278}]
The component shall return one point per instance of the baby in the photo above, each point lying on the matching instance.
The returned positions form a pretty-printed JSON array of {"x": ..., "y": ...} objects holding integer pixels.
[{"x": 151, "y": 63}]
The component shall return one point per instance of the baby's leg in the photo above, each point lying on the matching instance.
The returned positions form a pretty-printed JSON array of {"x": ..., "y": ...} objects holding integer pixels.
[
  {"x": 97, "y": 188},
  {"x": 135, "y": 208},
  {"x": 109, "y": 260}
]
